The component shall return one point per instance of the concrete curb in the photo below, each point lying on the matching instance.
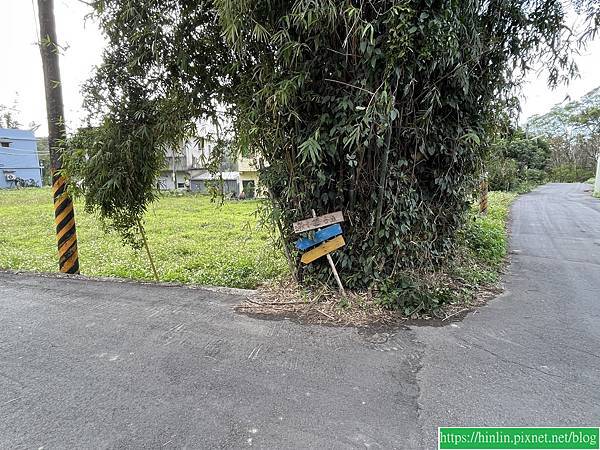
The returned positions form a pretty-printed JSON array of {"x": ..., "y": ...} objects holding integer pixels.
[{"x": 217, "y": 289}]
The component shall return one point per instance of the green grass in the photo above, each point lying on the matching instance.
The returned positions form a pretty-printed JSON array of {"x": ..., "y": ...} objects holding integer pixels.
[
  {"x": 488, "y": 234},
  {"x": 192, "y": 241},
  {"x": 196, "y": 241},
  {"x": 486, "y": 240}
]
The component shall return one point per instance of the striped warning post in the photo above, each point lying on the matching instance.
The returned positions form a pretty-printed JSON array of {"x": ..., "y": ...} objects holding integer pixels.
[
  {"x": 483, "y": 201},
  {"x": 64, "y": 218}
]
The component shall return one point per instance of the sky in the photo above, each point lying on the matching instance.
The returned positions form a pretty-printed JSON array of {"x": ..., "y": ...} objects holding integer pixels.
[
  {"x": 538, "y": 99},
  {"x": 21, "y": 78}
]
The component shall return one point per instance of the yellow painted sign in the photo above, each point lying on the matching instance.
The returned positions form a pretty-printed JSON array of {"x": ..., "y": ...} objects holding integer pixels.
[{"x": 323, "y": 250}]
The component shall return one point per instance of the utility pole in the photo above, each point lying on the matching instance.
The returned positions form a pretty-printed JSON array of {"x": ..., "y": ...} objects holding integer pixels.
[{"x": 64, "y": 215}]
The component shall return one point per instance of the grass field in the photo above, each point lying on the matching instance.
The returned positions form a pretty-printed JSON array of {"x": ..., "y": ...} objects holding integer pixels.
[
  {"x": 192, "y": 240},
  {"x": 196, "y": 241}
]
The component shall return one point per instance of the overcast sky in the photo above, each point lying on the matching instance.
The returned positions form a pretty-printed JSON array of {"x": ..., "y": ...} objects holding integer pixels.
[{"x": 21, "y": 76}]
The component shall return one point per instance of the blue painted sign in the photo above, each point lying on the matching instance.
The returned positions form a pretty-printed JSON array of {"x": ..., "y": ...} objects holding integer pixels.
[{"x": 320, "y": 236}]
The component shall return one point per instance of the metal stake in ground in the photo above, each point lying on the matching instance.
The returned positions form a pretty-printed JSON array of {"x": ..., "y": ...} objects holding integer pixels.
[
  {"x": 332, "y": 265},
  {"x": 64, "y": 215}
]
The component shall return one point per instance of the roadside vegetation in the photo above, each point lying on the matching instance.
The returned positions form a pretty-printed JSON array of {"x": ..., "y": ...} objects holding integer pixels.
[
  {"x": 559, "y": 146},
  {"x": 472, "y": 269},
  {"x": 572, "y": 134},
  {"x": 197, "y": 241},
  {"x": 467, "y": 279},
  {"x": 192, "y": 240},
  {"x": 384, "y": 110},
  {"x": 389, "y": 111}
]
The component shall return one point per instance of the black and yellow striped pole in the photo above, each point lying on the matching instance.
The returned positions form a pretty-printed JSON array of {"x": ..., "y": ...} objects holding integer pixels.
[
  {"x": 483, "y": 199},
  {"x": 64, "y": 215},
  {"x": 64, "y": 218}
]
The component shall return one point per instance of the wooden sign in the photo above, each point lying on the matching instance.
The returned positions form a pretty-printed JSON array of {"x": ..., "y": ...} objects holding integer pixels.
[
  {"x": 318, "y": 222},
  {"x": 328, "y": 246},
  {"x": 320, "y": 236},
  {"x": 323, "y": 249}
]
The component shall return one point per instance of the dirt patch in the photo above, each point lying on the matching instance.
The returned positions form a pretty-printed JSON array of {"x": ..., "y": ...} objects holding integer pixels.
[{"x": 287, "y": 300}]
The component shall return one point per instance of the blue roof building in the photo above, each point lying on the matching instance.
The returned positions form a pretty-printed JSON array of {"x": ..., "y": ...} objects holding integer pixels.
[{"x": 18, "y": 157}]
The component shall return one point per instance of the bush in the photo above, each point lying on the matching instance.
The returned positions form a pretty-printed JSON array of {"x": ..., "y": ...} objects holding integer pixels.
[
  {"x": 412, "y": 294},
  {"x": 486, "y": 239},
  {"x": 517, "y": 162},
  {"x": 482, "y": 248},
  {"x": 533, "y": 176},
  {"x": 529, "y": 153},
  {"x": 503, "y": 174},
  {"x": 570, "y": 174}
]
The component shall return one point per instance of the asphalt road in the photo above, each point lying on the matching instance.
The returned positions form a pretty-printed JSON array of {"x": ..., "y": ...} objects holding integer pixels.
[
  {"x": 531, "y": 357},
  {"x": 97, "y": 364}
]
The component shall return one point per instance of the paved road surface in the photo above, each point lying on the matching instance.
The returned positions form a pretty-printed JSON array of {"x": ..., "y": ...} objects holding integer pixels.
[
  {"x": 118, "y": 365},
  {"x": 532, "y": 356}
]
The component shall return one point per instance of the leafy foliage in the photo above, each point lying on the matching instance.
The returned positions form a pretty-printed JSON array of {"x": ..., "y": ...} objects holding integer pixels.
[
  {"x": 380, "y": 108},
  {"x": 159, "y": 56},
  {"x": 8, "y": 116},
  {"x": 485, "y": 238},
  {"x": 119, "y": 174},
  {"x": 516, "y": 159},
  {"x": 503, "y": 173},
  {"x": 573, "y": 133},
  {"x": 570, "y": 174},
  {"x": 482, "y": 248}
]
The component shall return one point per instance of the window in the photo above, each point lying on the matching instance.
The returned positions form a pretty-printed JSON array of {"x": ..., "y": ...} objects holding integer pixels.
[{"x": 5, "y": 144}]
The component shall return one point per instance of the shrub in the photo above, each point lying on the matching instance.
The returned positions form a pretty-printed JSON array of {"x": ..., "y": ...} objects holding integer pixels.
[
  {"x": 412, "y": 294},
  {"x": 570, "y": 174},
  {"x": 381, "y": 109},
  {"x": 535, "y": 176},
  {"x": 503, "y": 174},
  {"x": 486, "y": 238},
  {"x": 518, "y": 160}
]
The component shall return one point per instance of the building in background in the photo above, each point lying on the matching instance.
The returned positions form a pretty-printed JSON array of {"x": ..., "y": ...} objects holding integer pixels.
[
  {"x": 19, "y": 163},
  {"x": 189, "y": 163},
  {"x": 186, "y": 168},
  {"x": 181, "y": 165},
  {"x": 249, "y": 177},
  {"x": 226, "y": 182}
]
